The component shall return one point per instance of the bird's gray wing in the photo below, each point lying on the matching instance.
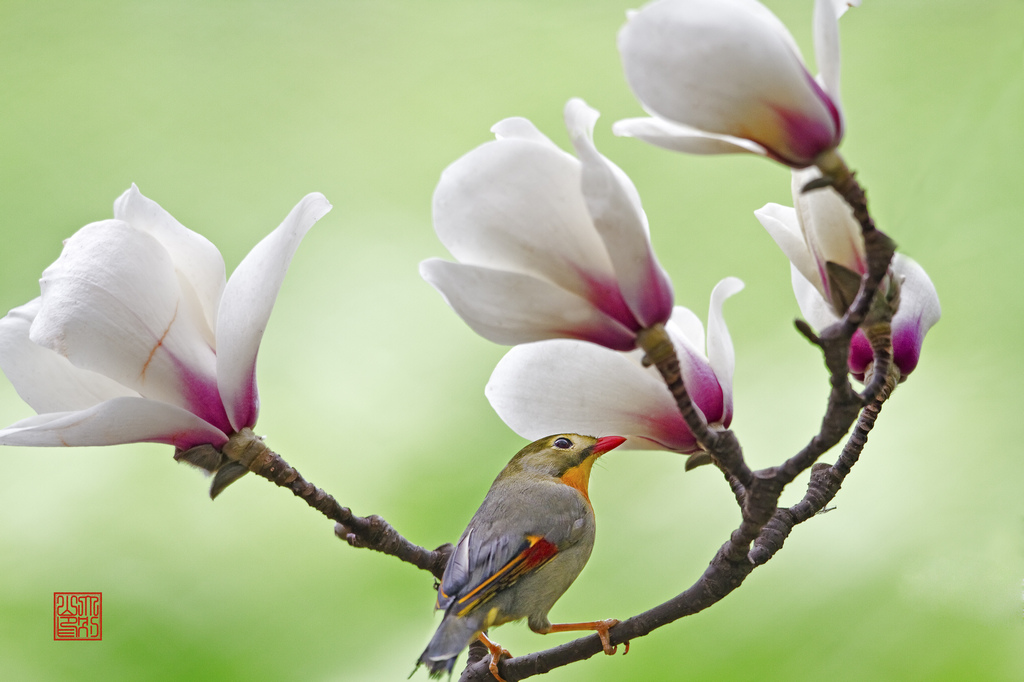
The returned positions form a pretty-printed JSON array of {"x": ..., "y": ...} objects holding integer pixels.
[{"x": 486, "y": 560}]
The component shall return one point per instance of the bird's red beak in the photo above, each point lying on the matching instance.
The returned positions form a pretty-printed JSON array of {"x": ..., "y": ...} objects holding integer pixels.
[{"x": 607, "y": 443}]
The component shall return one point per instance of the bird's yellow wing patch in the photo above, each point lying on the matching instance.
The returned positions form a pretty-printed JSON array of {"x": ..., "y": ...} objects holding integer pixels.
[{"x": 537, "y": 552}]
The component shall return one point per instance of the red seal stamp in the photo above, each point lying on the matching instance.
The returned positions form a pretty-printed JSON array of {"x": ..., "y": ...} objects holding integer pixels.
[{"x": 77, "y": 616}]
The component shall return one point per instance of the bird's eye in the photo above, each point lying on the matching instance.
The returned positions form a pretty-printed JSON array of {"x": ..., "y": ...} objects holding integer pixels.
[{"x": 563, "y": 443}]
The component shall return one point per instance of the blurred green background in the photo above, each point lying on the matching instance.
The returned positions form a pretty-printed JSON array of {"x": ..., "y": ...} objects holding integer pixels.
[{"x": 227, "y": 113}]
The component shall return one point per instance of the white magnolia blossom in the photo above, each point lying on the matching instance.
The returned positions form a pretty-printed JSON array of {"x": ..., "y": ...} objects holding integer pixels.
[
  {"x": 548, "y": 245},
  {"x": 818, "y": 229},
  {"x": 821, "y": 229},
  {"x": 724, "y": 76},
  {"x": 566, "y": 385},
  {"x": 137, "y": 336}
]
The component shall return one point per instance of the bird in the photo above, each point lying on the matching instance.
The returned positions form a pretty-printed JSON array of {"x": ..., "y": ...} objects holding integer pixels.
[{"x": 523, "y": 548}]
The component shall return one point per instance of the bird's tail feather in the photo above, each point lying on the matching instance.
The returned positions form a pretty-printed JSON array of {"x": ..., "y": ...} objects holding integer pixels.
[{"x": 452, "y": 636}]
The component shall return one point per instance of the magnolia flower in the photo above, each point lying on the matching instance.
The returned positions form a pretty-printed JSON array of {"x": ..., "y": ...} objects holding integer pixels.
[
  {"x": 562, "y": 384},
  {"x": 548, "y": 245},
  {"x": 821, "y": 230},
  {"x": 137, "y": 337},
  {"x": 722, "y": 76}
]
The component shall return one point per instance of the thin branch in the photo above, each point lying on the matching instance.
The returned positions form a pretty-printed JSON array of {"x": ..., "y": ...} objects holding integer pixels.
[
  {"x": 245, "y": 451},
  {"x": 825, "y": 480}
]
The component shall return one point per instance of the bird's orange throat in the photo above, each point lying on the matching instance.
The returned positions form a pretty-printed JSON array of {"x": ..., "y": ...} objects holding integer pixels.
[{"x": 579, "y": 477}]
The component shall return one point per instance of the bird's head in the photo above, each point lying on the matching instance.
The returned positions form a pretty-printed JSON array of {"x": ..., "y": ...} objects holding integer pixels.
[{"x": 566, "y": 456}]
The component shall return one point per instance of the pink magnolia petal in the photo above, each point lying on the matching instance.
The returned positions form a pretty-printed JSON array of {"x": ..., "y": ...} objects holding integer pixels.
[
  {"x": 197, "y": 261},
  {"x": 112, "y": 304},
  {"x": 861, "y": 355},
  {"x": 614, "y": 207},
  {"x": 709, "y": 396},
  {"x": 512, "y": 307},
  {"x": 680, "y": 138},
  {"x": 45, "y": 380},
  {"x": 919, "y": 311},
  {"x": 246, "y": 305},
  {"x": 564, "y": 385},
  {"x": 721, "y": 355},
  {"x": 113, "y": 422}
]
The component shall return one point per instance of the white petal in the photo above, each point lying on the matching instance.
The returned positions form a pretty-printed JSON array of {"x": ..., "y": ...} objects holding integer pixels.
[
  {"x": 246, "y": 305},
  {"x": 48, "y": 382},
  {"x": 918, "y": 298},
  {"x": 197, "y": 261},
  {"x": 568, "y": 386},
  {"x": 812, "y": 304},
  {"x": 689, "y": 326},
  {"x": 516, "y": 205},
  {"x": 829, "y": 228},
  {"x": 511, "y": 307},
  {"x": 680, "y": 138},
  {"x": 614, "y": 206},
  {"x": 706, "y": 382},
  {"x": 520, "y": 128},
  {"x": 784, "y": 227},
  {"x": 728, "y": 67},
  {"x": 112, "y": 304},
  {"x": 919, "y": 310},
  {"x": 826, "y": 46},
  {"x": 698, "y": 377},
  {"x": 115, "y": 421},
  {"x": 721, "y": 355},
  {"x": 840, "y": 6}
]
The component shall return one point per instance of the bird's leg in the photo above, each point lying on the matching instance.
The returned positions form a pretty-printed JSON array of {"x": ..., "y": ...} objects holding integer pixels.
[
  {"x": 497, "y": 651},
  {"x": 600, "y": 626}
]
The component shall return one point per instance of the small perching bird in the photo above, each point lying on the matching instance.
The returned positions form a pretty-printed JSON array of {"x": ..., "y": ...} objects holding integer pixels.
[{"x": 525, "y": 545}]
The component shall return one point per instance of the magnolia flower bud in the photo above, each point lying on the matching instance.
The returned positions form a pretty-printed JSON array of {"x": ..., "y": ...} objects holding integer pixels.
[
  {"x": 724, "y": 76},
  {"x": 818, "y": 230},
  {"x": 825, "y": 248}
]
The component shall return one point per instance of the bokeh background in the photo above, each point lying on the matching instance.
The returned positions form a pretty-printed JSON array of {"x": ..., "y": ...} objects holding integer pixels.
[{"x": 227, "y": 113}]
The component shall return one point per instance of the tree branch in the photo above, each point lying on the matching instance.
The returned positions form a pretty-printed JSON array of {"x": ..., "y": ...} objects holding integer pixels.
[
  {"x": 245, "y": 451},
  {"x": 825, "y": 480}
]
